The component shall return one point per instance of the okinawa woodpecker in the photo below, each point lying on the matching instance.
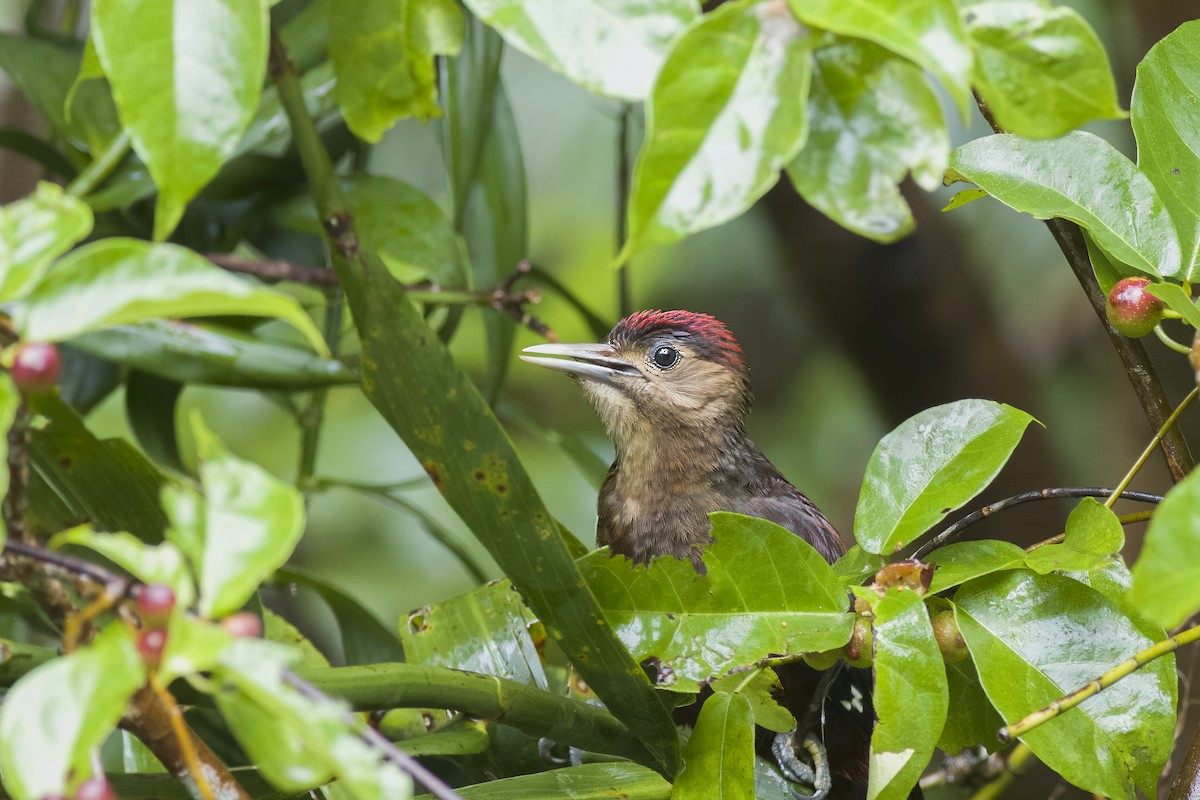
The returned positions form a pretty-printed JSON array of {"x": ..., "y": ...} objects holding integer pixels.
[{"x": 673, "y": 392}]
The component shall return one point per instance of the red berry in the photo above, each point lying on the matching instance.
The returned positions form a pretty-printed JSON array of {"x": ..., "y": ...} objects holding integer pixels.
[
  {"x": 150, "y": 645},
  {"x": 35, "y": 367},
  {"x": 154, "y": 600},
  {"x": 95, "y": 789},
  {"x": 1131, "y": 309},
  {"x": 243, "y": 625}
]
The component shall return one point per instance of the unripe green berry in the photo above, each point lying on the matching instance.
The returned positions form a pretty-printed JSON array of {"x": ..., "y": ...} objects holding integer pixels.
[
  {"x": 859, "y": 650},
  {"x": 949, "y": 639}
]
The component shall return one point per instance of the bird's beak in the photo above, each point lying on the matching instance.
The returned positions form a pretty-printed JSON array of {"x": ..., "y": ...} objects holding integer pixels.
[{"x": 595, "y": 361}]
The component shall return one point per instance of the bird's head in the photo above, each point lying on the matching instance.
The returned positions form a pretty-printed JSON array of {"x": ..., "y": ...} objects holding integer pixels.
[{"x": 659, "y": 372}]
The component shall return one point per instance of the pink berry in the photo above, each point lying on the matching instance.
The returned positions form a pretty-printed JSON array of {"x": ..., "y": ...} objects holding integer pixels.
[
  {"x": 154, "y": 600},
  {"x": 97, "y": 788},
  {"x": 35, "y": 367},
  {"x": 243, "y": 625},
  {"x": 150, "y": 645},
  {"x": 1131, "y": 309}
]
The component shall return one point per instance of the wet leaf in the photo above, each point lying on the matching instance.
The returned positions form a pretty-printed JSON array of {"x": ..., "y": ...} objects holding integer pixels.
[
  {"x": 1036, "y": 637},
  {"x": 963, "y": 561},
  {"x": 383, "y": 57},
  {"x": 1081, "y": 178},
  {"x": 926, "y": 32},
  {"x": 727, "y": 113},
  {"x": 1042, "y": 70},
  {"x": 909, "y": 675},
  {"x": 1165, "y": 112},
  {"x": 486, "y": 631},
  {"x": 611, "y": 47},
  {"x": 201, "y": 104},
  {"x": 1093, "y": 534},
  {"x": 1166, "y": 576},
  {"x": 930, "y": 465},
  {"x": 53, "y": 717},
  {"x": 766, "y": 592},
  {"x": 120, "y": 281},
  {"x": 33, "y": 232},
  {"x": 718, "y": 761},
  {"x": 874, "y": 119}
]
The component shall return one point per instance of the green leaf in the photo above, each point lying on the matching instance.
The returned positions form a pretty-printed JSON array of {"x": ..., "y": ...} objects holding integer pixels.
[
  {"x": 1107, "y": 273},
  {"x": 1178, "y": 300},
  {"x": 33, "y": 232},
  {"x": 485, "y": 631},
  {"x": 161, "y": 563},
  {"x": 1166, "y": 576},
  {"x": 186, "y": 77},
  {"x": 245, "y": 526},
  {"x": 727, "y": 113},
  {"x": 927, "y": 32},
  {"x": 962, "y": 198},
  {"x": 383, "y": 57},
  {"x": 611, "y": 47},
  {"x": 857, "y": 565},
  {"x": 761, "y": 687},
  {"x": 1081, "y": 178},
  {"x": 1165, "y": 112},
  {"x": 203, "y": 353},
  {"x": 120, "y": 281},
  {"x": 585, "y": 782},
  {"x": 909, "y": 674},
  {"x": 365, "y": 640},
  {"x": 108, "y": 482},
  {"x": 1036, "y": 637},
  {"x": 150, "y": 406},
  {"x": 874, "y": 119},
  {"x": 766, "y": 592},
  {"x": 718, "y": 761},
  {"x": 1042, "y": 71},
  {"x": 53, "y": 717},
  {"x": 408, "y": 374},
  {"x": 193, "y": 646},
  {"x": 971, "y": 719},
  {"x": 1093, "y": 534},
  {"x": 930, "y": 465},
  {"x": 10, "y": 401},
  {"x": 1112, "y": 579},
  {"x": 963, "y": 561}
]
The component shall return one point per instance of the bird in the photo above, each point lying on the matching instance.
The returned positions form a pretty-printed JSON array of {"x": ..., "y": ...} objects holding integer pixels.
[{"x": 673, "y": 391}]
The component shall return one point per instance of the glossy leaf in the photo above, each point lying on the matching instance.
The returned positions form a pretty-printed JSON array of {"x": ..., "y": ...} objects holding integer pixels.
[
  {"x": 365, "y": 640},
  {"x": 718, "y": 761},
  {"x": 33, "y": 232},
  {"x": 409, "y": 376},
  {"x": 931, "y": 464},
  {"x": 971, "y": 719},
  {"x": 1166, "y": 576},
  {"x": 727, "y": 113},
  {"x": 963, "y": 561},
  {"x": 585, "y": 782},
  {"x": 1042, "y": 70},
  {"x": 203, "y": 62},
  {"x": 244, "y": 526},
  {"x": 766, "y": 592},
  {"x": 485, "y": 631},
  {"x": 1093, "y": 534},
  {"x": 383, "y": 57},
  {"x": 53, "y": 717},
  {"x": 161, "y": 563},
  {"x": 1081, "y": 178},
  {"x": 761, "y": 687},
  {"x": 1036, "y": 637},
  {"x": 120, "y": 281},
  {"x": 874, "y": 120},
  {"x": 106, "y": 481},
  {"x": 203, "y": 353},
  {"x": 1112, "y": 579},
  {"x": 927, "y": 32},
  {"x": 1165, "y": 112},
  {"x": 909, "y": 675},
  {"x": 611, "y": 47}
]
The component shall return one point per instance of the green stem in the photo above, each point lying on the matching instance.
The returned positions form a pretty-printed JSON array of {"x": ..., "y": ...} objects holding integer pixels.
[
  {"x": 1158, "y": 437},
  {"x": 526, "y": 708},
  {"x": 313, "y": 414},
  {"x": 1017, "y": 761},
  {"x": 1169, "y": 342},
  {"x": 101, "y": 167}
]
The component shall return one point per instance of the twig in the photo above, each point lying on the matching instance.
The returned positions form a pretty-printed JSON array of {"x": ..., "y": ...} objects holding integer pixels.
[
  {"x": 954, "y": 531},
  {"x": 1158, "y": 437},
  {"x": 1014, "y": 767},
  {"x": 187, "y": 747},
  {"x": 436, "y": 786},
  {"x": 274, "y": 269},
  {"x": 16, "y": 502}
]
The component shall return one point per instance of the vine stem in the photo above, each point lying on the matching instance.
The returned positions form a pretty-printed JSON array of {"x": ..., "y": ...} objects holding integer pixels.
[{"x": 1158, "y": 437}]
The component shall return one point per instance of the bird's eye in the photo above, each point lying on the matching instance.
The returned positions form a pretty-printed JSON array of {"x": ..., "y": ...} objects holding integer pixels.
[{"x": 664, "y": 356}]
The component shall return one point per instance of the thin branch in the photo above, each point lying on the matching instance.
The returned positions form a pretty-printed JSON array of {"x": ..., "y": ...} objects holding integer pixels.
[
  {"x": 436, "y": 786},
  {"x": 16, "y": 502},
  {"x": 956, "y": 530},
  {"x": 275, "y": 269}
]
